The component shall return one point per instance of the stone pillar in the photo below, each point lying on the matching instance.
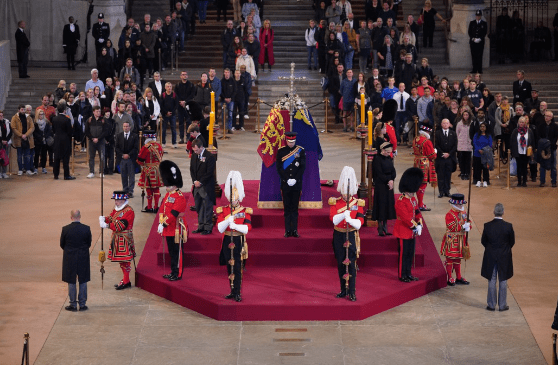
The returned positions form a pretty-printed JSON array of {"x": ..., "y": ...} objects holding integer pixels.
[
  {"x": 459, "y": 51},
  {"x": 115, "y": 16}
]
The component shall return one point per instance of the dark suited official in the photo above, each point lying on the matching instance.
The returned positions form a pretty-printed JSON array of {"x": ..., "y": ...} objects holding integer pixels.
[
  {"x": 202, "y": 171},
  {"x": 478, "y": 29},
  {"x": 22, "y": 49},
  {"x": 446, "y": 160},
  {"x": 63, "y": 131},
  {"x": 291, "y": 162},
  {"x": 70, "y": 41},
  {"x": 75, "y": 240}
]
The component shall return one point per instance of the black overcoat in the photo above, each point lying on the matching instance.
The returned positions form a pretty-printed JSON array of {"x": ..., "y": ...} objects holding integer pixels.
[
  {"x": 498, "y": 239},
  {"x": 63, "y": 132},
  {"x": 384, "y": 199},
  {"x": 75, "y": 240}
]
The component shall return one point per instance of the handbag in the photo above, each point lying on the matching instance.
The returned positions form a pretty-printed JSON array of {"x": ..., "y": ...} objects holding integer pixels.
[
  {"x": 50, "y": 141},
  {"x": 4, "y": 160},
  {"x": 530, "y": 151},
  {"x": 420, "y": 20}
]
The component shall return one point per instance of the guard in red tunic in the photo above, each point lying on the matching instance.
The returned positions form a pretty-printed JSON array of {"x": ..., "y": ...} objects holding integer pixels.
[
  {"x": 409, "y": 221},
  {"x": 388, "y": 116},
  {"x": 346, "y": 212},
  {"x": 424, "y": 159},
  {"x": 235, "y": 226},
  {"x": 149, "y": 158},
  {"x": 121, "y": 222},
  {"x": 455, "y": 245},
  {"x": 171, "y": 225}
]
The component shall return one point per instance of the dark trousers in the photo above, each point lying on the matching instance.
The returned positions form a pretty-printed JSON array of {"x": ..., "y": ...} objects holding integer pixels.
[
  {"x": 406, "y": 255},
  {"x": 70, "y": 59},
  {"x": 522, "y": 162},
  {"x": 221, "y": 9},
  {"x": 94, "y": 148},
  {"x": 109, "y": 158},
  {"x": 40, "y": 151},
  {"x": 237, "y": 267},
  {"x": 340, "y": 252},
  {"x": 427, "y": 37},
  {"x": 477, "y": 50},
  {"x": 127, "y": 174},
  {"x": 238, "y": 109},
  {"x": 290, "y": 209},
  {"x": 555, "y": 323},
  {"x": 479, "y": 168},
  {"x": 533, "y": 169},
  {"x": 443, "y": 169},
  {"x": 65, "y": 157},
  {"x": 464, "y": 159},
  {"x": 204, "y": 207},
  {"x": 174, "y": 252},
  {"x": 22, "y": 64},
  {"x": 183, "y": 118}
]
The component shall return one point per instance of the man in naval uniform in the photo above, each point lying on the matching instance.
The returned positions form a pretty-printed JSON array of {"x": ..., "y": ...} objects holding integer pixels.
[
  {"x": 291, "y": 162},
  {"x": 101, "y": 32},
  {"x": 478, "y": 29}
]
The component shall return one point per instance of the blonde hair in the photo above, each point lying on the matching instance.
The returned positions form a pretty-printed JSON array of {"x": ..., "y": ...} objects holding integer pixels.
[
  {"x": 147, "y": 90},
  {"x": 117, "y": 93},
  {"x": 60, "y": 83}
]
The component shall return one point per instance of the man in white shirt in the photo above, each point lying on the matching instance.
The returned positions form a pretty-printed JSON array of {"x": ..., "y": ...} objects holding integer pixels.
[
  {"x": 401, "y": 116},
  {"x": 157, "y": 86},
  {"x": 95, "y": 81}
]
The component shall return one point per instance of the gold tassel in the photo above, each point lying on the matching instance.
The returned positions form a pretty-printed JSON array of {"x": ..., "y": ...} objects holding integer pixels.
[
  {"x": 357, "y": 241},
  {"x": 177, "y": 234}
]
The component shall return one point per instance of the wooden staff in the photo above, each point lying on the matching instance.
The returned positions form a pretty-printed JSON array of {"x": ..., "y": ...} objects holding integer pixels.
[
  {"x": 469, "y": 195},
  {"x": 258, "y": 101},
  {"x": 326, "y": 102},
  {"x": 499, "y": 156},
  {"x": 434, "y": 143},
  {"x": 73, "y": 155},
  {"x": 102, "y": 256},
  {"x": 415, "y": 118},
  {"x": 224, "y": 136}
]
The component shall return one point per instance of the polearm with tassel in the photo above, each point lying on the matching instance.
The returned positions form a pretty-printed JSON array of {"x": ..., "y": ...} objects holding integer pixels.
[{"x": 102, "y": 256}]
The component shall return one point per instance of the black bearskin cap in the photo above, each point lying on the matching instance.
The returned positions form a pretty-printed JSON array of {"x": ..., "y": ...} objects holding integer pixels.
[
  {"x": 170, "y": 174},
  {"x": 411, "y": 180}
]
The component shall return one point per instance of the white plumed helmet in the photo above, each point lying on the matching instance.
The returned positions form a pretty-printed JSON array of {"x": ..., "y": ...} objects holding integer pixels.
[
  {"x": 347, "y": 173},
  {"x": 237, "y": 186}
]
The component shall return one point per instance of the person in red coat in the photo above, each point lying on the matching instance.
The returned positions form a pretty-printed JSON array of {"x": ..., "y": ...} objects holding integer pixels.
[
  {"x": 122, "y": 249},
  {"x": 171, "y": 225},
  {"x": 346, "y": 246},
  {"x": 149, "y": 158},
  {"x": 425, "y": 154},
  {"x": 409, "y": 221},
  {"x": 266, "y": 46},
  {"x": 454, "y": 244},
  {"x": 234, "y": 227},
  {"x": 388, "y": 115}
]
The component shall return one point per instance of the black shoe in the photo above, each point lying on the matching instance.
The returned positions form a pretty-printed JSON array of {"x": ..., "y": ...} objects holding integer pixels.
[
  {"x": 124, "y": 286},
  {"x": 199, "y": 230},
  {"x": 451, "y": 283},
  {"x": 342, "y": 294},
  {"x": 238, "y": 298},
  {"x": 424, "y": 209},
  {"x": 441, "y": 195},
  {"x": 315, "y": 69},
  {"x": 287, "y": 234},
  {"x": 534, "y": 179},
  {"x": 381, "y": 233},
  {"x": 310, "y": 67},
  {"x": 130, "y": 195},
  {"x": 166, "y": 276},
  {"x": 405, "y": 280},
  {"x": 174, "y": 278},
  {"x": 352, "y": 297},
  {"x": 553, "y": 185},
  {"x": 490, "y": 309},
  {"x": 524, "y": 184},
  {"x": 230, "y": 296},
  {"x": 56, "y": 178},
  {"x": 461, "y": 281},
  {"x": 205, "y": 233},
  {"x": 70, "y": 308},
  {"x": 412, "y": 278},
  {"x": 181, "y": 141},
  {"x": 295, "y": 234},
  {"x": 541, "y": 185},
  {"x": 554, "y": 325},
  {"x": 83, "y": 308},
  {"x": 192, "y": 208},
  {"x": 504, "y": 309},
  {"x": 69, "y": 178},
  {"x": 446, "y": 194},
  {"x": 147, "y": 210}
]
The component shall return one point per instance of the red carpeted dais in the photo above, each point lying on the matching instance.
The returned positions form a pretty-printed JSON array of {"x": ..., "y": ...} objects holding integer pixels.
[{"x": 288, "y": 278}]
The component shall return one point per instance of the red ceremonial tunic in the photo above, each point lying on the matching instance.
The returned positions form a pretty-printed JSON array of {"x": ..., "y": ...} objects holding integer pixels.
[
  {"x": 174, "y": 203},
  {"x": 149, "y": 158},
  {"x": 424, "y": 158},
  {"x": 121, "y": 222},
  {"x": 454, "y": 240},
  {"x": 408, "y": 217},
  {"x": 392, "y": 137},
  {"x": 338, "y": 205},
  {"x": 242, "y": 215}
]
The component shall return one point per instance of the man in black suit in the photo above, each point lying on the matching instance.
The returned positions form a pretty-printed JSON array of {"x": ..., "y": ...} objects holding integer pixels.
[
  {"x": 63, "y": 131},
  {"x": 333, "y": 87},
  {"x": 75, "y": 240},
  {"x": 70, "y": 41},
  {"x": 127, "y": 148},
  {"x": 521, "y": 88},
  {"x": 291, "y": 162},
  {"x": 157, "y": 86},
  {"x": 202, "y": 171},
  {"x": 478, "y": 29},
  {"x": 101, "y": 32},
  {"x": 22, "y": 49},
  {"x": 498, "y": 239},
  {"x": 446, "y": 146}
]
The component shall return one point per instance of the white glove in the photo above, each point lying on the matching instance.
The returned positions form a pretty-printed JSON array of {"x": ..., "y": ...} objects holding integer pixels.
[
  {"x": 101, "y": 220},
  {"x": 467, "y": 227},
  {"x": 222, "y": 226},
  {"x": 242, "y": 228},
  {"x": 291, "y": 182},
  {"x": 338, "y": 218},
  {"x": 101, "y": 40},
  {"x": 419, "y": 229},
  {"x": 435, "y": 150},
  {"x": 104, "y": 225},
  {"x": 232, "y": 226},
  {"x": 160, "y": 228},
  {"x": 347, "y": 215},
  {"x": 477, "y": 40},
  {"x": 395, "y": 153},
  {"x": 355, "y": 223},
  {"x": 231, "y": 220}
]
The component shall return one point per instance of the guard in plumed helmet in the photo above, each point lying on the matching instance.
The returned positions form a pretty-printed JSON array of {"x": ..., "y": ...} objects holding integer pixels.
[
  {"x": 234, "y": 221},
  {"x": 291, "y": 162},
  {"x": 149, "y": 158},
  {"x": 425, "y": 154},
  {"x": 122, "y": 249},
  {"x": 171, "y": 225},
  {"x": 347, "y": 215},
  {"x": 454, "y": 244},
  {"x": 409, "y": 221},
  {"x": 388, "y": 117}
]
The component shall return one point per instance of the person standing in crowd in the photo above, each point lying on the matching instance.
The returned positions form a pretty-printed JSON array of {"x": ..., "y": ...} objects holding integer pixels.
[
  {"x": 129, "y": 69},
  {"x": 63, "y": 132},
  {"x": 122, "y": 249},
  {"x": 549, "y": 131},
  {"x": 101, "y": 32},
  {"x": 364, "y": 45},
  {"x": 169, "y": 105},
  {"x": 148, "y": 41},
  {"x": 239, "y": 101},
  {"x": 455, "y": 246},
  {"x": 126, "y": 145},
  {"x": 171, "y": 224},
  {"x": 429, "y": 23},
  {"x": 482, "y": 144},
  {"x": 75, "y": 240},
  {"x": 41, "y": 136},
  {"x": 22, "y": 139},
  {"x": 227, "y": 38},
  {"x": 409, "y": 221},
  {"x": 424, "y": 159},
  {"x": 22, "y": 49},
  {"x": 521, "y": 88},
  {"x": 96, "y": 131},
  {"x": 464, "y": 146},
  {"x": 311, "y": 44},
  {"x": 498, "y": 238},
  {"x": 228, "y": 94},
  {"x": 522, "y": 143},
  {"x": 5, "y": 144},
  {"x": 94, "y": 81},
  {"x": 446, "y": 161},
  {"x": 291, "y": 162},
  {"x": 234, "y": 225},
  {"x": 149, "y": 158},
  {"x": 109, "y": 142},
  {"x": 105, "y": 65},
  {"x": 347, "y": 91},
  {"x": 185, "y": 92},
  {"x": 384, "y": 177},
  {"x": 202, "y": 172},
  {"x": 347, "y": 215},
  {"x": 70, "y": 41},
  {"x": 266, "y": 46},
  {"x": 478, "y": 29}
]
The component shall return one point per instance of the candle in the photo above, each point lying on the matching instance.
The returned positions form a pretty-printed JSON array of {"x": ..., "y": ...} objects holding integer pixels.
[
  {"x": 213, "y": 101},
  {"x": 362, "y": 108},
  {"x": 211, "y": 124},
  {"x": 370, "y": 118}
]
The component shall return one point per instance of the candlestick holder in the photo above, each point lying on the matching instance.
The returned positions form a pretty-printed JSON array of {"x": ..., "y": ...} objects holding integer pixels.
[
  {"x": 362, "y": 134},
  {"x": 370, "y": 154}
]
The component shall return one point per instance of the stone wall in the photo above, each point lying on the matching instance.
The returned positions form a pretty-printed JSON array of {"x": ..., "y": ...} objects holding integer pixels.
[{"x": 5, "y": 72}]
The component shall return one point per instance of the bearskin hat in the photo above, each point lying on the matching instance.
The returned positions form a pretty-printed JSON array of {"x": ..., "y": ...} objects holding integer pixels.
[
  {"x": 389, "y": 111},
  {"x": 170, "y": 174},
  {"x": 196, "y": 111},
  {"x": 411, "y": 180}
]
